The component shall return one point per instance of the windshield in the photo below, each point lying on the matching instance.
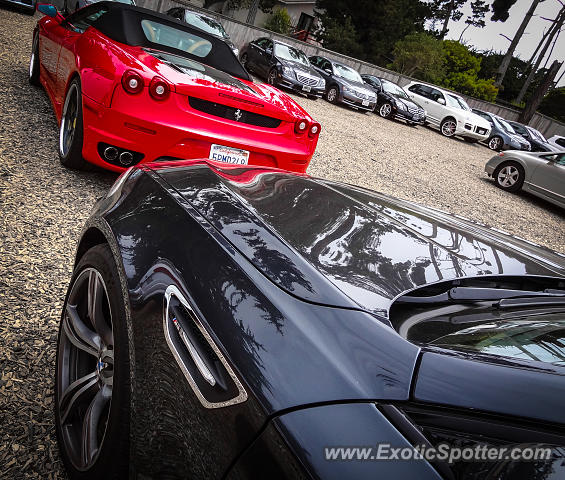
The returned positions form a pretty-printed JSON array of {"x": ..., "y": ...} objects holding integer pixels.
[
  {"x": 284, "y": 52},
  {"x": 347, "y": 73},
  {"x": 536, "y": 134},
  {"x": 457, "y": 102},
  {"x": 505, "y": 125},
  {"x": 394, "y": 89},
  {"x": 207, "y": 24},
  {"x": 542, "y": 340}
]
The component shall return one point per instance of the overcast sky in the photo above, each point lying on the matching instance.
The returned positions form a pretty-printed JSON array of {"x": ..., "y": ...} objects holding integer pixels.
[{"x": 489, "y": 37}]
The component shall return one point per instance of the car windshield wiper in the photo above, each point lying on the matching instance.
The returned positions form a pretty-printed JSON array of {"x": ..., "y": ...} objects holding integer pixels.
[{"x": 503, "y": 295}]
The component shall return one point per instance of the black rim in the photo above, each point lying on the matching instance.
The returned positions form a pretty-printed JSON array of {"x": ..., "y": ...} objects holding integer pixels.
[
  {"x": 85, "y": 369},
  {"x": 69, "y": 120}
]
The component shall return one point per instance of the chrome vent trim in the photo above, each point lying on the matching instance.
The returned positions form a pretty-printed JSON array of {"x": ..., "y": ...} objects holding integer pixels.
[{"x": 173, "y": 291}]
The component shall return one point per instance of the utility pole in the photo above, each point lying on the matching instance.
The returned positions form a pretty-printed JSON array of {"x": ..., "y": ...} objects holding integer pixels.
[
  {"x": 501, "y": 72},
  {"x": 539, "y": 93}
]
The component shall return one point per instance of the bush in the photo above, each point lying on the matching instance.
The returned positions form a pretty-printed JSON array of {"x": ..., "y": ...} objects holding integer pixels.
[
  {"x": 419, "y": 55},
  {"x": 279, "y": 22}
]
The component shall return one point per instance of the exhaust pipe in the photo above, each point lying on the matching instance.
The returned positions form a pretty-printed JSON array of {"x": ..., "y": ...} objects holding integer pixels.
[
  {"x": 126, "y": 158},
  {"x": 111, "y": 153}
]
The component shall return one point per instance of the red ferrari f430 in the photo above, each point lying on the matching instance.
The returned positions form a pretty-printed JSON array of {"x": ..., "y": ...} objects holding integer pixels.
[{"x": 130, "y": 85}]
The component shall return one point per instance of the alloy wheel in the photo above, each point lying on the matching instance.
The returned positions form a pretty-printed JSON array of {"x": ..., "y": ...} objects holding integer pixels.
[
  {"x": 85, "y": 369},
  {"x": 69, "y": 120},
  {"x": 332, "y": 94},
  {"x": 244, "y": 61},
  {"x": 508, "y": 176},
  {"x": 385, "y": 110},
  {"x": 448, "y": 128},
  {"x": 494, "y": 143}
]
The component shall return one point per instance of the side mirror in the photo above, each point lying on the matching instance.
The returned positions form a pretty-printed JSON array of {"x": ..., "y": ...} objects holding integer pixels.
[
  {"x": 47, "y": 9},
  {"x": 269, "y": 51},
  {"x": 441, "y": 101}
]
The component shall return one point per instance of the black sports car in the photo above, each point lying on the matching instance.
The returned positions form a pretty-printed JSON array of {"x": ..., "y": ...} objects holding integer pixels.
[
  {"x": 344, "y": 84},
  {"x": 244, "y": 322},
  {"x": 283, "y": 66},
  {"x": 393, "y": 101},
  {"x": 537, "y": 141}
]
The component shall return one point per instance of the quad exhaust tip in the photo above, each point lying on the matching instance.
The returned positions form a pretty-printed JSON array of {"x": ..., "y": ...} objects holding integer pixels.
[
  {"x": 111, "y": 153},
  {"x": 126, "y": 158}
]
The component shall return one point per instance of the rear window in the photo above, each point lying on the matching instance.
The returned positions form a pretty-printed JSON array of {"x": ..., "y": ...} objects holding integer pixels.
[{"x": 168, "y": 36}]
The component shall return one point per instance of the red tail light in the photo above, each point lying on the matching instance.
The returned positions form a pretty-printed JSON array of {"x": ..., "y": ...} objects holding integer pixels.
[
  {"x": 159, "y": 89},
  {"x": 132, "y": 82},
  {"x": 314, "y": 129},
  {"x": 300, "y": 126}
]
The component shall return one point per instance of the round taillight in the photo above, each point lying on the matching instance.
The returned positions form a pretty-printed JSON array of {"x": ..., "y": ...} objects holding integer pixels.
[
  {"x": 132, "y": 82},
  {"x": 159, "y": 89},
  {"x": 301, "y": 126},
  {"x": 314, "y": 130}
]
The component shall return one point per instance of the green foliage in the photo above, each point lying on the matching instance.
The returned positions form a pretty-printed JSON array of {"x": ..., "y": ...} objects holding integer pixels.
[
  {"x": 279, "y": 22},
  {"x": 553, "y": 104},
  {"x": 264, "y": 5},
  {"x": 374, "y": 26},
  {"x": 419, "y": 55}
]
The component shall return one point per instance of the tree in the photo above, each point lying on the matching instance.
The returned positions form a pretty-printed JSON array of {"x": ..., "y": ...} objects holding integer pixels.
[
  {"x": 446, "y": 10},
  {"x": 253, "y": 6},
  {"x": 553, "y": 104},
  {"x": 279, "y": 22},
  {"x": 501, "y": 15},
  {"x": 419, "y": 55},
  {"x": 536, "y": 98},
  {"x": 378, "y": 25},
  {"x": 477, "y": 18},
  {"x": 341, "y": 37}
]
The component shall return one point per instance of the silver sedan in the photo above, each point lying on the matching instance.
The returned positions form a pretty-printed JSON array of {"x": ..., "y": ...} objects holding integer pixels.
[{"x": 540, "y": 173}]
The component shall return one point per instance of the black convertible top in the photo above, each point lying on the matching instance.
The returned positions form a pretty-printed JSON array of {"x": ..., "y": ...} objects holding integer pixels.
[{"x": 122, "y": 22}]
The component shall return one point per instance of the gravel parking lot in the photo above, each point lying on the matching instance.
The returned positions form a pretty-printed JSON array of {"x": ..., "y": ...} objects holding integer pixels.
[{"x": 43, "y": 207}]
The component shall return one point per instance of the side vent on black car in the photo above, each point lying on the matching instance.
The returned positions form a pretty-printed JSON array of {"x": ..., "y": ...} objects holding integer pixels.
[{"x": 205, "y": 368}]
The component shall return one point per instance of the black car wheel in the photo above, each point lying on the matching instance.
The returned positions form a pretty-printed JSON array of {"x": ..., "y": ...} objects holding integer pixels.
[
  {"x": 92, "y": 372},
  {"x": 70, "y": 130},
  {"x": 34, "y": 61},
  {"x": 495, "y": 143},
  {"x": 448, "y": 127},
  {"x": 509, "y": 176},
  {"x": 332, "y": 95},
  {"x": 385, "y": 110},
  {"x": 272, "y": 77}
]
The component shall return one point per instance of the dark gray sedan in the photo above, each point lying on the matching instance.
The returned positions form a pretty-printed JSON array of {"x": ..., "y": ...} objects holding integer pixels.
[
  {"x": 540, "y": 173},
  {"x": 502, "y": 135}
]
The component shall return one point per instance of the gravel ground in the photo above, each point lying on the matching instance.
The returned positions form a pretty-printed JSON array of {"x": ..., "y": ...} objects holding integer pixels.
[{"x": 43, "y": 207}]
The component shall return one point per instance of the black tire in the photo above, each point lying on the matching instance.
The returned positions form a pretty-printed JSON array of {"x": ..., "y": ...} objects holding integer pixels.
[
  {"x": 385, "y": 110},
  {"x": 509, "y": 176},
  {"x": 471, "y": 140},
  {"x": 245, "y": 61},
  {"x": 447, "y": 127},
  {"x": 29, "y": 11},
  {"x": 71, "y": 129},
  {"x": 495, "y": 143},
  {"x": 272, "y": 77},
  {"x": 34, "y": 61},
  {"x": 111, "y": 459},
  {"x": 332, "y": 94}
]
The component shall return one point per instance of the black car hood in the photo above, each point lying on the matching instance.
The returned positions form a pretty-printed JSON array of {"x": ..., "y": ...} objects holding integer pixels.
[
  {"x": 408, "y": 103},
  {"x": 299, "y": 66},
  {"x": 305, "y": 234}
]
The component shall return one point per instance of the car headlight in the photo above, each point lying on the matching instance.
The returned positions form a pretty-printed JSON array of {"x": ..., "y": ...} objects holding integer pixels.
[
  {"x": 289, "y": 72},
  {"x": 322, "y": 83},
  {"x": 347, "y": 89},
  {"x": 401, "y": 106}
]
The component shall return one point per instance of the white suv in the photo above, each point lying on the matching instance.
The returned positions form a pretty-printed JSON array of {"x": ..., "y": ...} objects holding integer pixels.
[
  {"x": 449, "y": 112},
  {"x": 557, "y": 141}
]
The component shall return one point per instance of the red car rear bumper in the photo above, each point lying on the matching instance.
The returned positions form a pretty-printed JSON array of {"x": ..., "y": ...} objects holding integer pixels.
[{"x": 171, "y": 128}]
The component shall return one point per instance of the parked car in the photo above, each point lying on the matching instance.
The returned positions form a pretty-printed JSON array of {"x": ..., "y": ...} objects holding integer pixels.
[
  {"x": 502, "y": 135},
  {"x": 537, "y": 141},
  {"x": 26, "y": 6},
  {"x": 393, "y": 101},
  {"x": 344, "y": 84},
  {"x": 238, "y": 322},
  {"x": 203, "y": 22},
  {"x": 558, "y": 141},
  {"x": 283, "y": 66},
  {"x": 132, "y": 85},
  {"x": 70, "y": 6},
  {"x": 541, "y": 174},
  {"x": 449, "y": 112}
]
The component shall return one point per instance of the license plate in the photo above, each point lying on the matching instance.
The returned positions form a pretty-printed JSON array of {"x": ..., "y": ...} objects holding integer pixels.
[
  {"x": 235, "y": 156},
  {"x": 365, "y": 103},
  {"x": 306, "y": 88}
]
